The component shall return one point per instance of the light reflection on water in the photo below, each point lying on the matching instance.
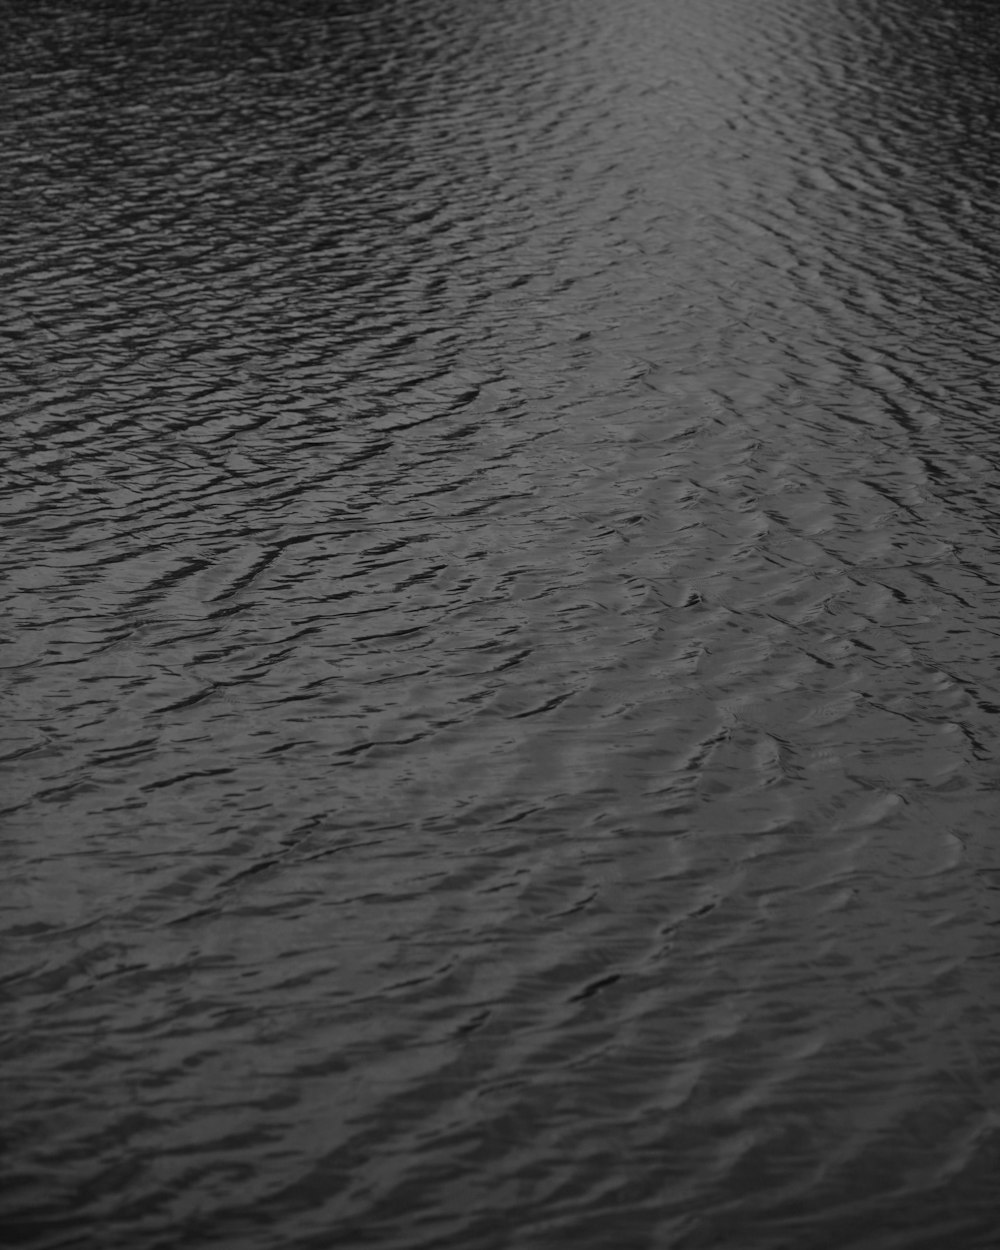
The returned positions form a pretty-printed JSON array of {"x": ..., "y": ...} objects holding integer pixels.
[{"x": 501, "y": 618}]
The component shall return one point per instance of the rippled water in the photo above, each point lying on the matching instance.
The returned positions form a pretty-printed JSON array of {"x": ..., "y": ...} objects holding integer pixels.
[{"x": 501, "y": 623}]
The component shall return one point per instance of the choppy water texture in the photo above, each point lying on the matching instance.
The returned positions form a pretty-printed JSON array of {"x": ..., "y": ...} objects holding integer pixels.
[{"x": 501, "y": 624}]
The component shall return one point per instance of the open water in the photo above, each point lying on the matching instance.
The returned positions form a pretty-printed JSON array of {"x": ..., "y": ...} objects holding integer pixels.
[{"x": 502, "y": 593}]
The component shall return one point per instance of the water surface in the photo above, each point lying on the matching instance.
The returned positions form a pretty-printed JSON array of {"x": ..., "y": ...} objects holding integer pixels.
[{"x": 501, "y": 611}]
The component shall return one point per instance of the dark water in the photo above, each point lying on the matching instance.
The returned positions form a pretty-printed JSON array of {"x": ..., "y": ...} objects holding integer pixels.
[{"x": 502, "y": 597}]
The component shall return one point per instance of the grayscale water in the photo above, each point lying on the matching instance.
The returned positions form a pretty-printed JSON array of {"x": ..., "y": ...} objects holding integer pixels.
[{"x": 502, "y": 600}]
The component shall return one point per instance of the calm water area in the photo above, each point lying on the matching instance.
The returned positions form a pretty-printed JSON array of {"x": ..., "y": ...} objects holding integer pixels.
[{"x": 501, "y": 603}]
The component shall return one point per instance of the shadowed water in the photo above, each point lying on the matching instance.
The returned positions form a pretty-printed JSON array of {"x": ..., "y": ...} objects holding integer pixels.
[{"x": 501, "y": 608}]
